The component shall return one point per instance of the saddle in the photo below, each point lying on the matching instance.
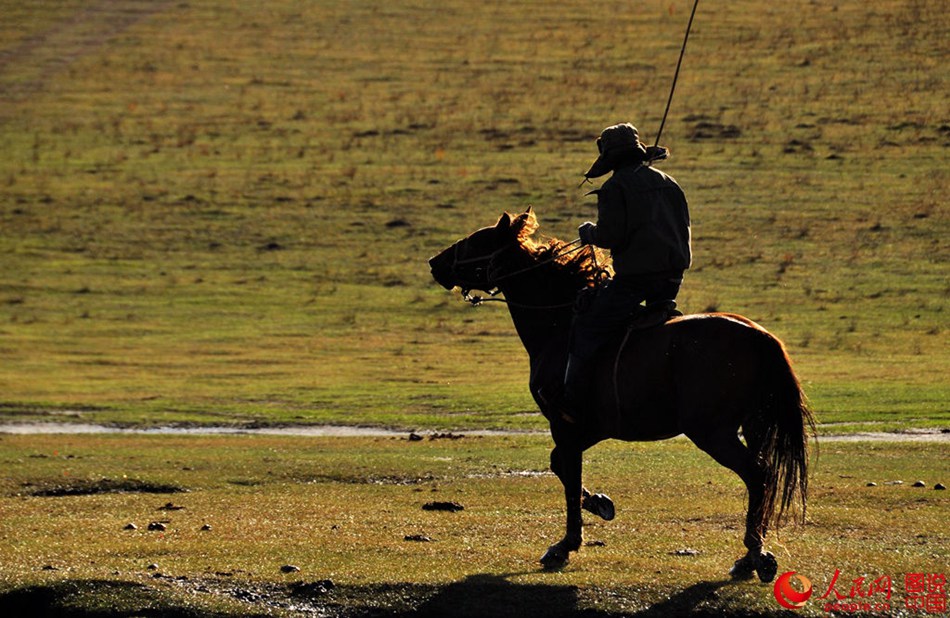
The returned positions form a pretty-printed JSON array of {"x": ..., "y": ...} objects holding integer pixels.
[{"x": 642, "y": 318}]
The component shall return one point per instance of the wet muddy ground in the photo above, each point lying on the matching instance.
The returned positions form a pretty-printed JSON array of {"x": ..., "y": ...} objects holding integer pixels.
[{"x": 352, "y": 431}]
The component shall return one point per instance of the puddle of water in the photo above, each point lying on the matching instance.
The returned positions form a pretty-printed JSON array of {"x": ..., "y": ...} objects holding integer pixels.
[
  {"x": 303, "y": 430},
  {"x": 348, "y": 431},
  {"x": 320, "y": 431},
  {"x": 883, "y": 436}
]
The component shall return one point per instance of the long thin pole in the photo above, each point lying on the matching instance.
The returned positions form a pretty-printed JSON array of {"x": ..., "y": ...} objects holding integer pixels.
[{"x": 677, "y": 74}]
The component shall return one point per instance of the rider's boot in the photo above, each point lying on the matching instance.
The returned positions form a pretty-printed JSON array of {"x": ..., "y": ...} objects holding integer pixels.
[{"x": 577, "y": 378}]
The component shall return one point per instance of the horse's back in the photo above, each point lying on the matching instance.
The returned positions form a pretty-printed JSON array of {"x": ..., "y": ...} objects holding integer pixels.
[
  {"x": 693, "y": 369},
  {"x": 728, "y": 321},
  {"x": 721, "y": 348}
]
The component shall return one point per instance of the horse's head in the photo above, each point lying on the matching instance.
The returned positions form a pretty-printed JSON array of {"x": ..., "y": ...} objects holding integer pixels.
[{"x": 472, "y": 262}]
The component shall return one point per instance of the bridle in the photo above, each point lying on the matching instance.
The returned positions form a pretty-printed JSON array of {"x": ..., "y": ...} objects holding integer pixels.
[
  {"x": 485, "y": 272},
  {"x": 491, "y": 277}
]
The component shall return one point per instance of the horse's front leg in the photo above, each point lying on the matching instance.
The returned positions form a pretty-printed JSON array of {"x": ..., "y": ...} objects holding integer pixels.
[
  {"x": 599, "y": 504},
  {"x": 566, "y": 464}
]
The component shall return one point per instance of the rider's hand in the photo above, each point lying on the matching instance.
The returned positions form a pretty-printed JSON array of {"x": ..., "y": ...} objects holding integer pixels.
[{"x": 586, "y": 232}]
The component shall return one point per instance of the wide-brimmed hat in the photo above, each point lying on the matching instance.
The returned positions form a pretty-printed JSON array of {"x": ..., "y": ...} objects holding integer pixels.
[{"x": 618, "y": 144}]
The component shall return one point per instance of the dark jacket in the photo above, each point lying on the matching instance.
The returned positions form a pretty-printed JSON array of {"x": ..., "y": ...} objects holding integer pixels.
[{"x": 642, "y": 217}]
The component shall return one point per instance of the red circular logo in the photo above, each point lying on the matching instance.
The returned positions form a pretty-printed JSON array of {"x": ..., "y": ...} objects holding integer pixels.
[{"x": 787, "y": 596}]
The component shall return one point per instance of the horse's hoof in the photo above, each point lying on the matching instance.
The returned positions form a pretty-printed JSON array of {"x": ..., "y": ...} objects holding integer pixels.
[
  {"x": 767, "y": 567},
  {"x": 742, "y": 569},
  {"x": 554, "y": 558},
  {"x": 600, "y": 505}
]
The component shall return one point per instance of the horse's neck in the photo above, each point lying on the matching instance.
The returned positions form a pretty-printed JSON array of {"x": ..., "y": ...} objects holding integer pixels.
[
  {"x": 541, "y": 332},
  {"x": 542, "y": 321}
]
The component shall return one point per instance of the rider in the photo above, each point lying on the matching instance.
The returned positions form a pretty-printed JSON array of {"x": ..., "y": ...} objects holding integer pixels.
[{"x": 643, "y": 219}]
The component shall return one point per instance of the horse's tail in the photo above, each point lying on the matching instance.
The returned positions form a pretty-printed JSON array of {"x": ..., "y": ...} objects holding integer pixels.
[{"x": 781, "y": 432}]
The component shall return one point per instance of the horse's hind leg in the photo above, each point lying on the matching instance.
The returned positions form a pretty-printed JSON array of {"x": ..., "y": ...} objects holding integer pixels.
[{"x": 728, "y": 451}]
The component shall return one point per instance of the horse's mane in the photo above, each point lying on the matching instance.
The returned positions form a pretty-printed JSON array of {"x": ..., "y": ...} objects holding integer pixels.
[
  {"x": 578, "y": 266},
  {"x": 568, "y": 266}
]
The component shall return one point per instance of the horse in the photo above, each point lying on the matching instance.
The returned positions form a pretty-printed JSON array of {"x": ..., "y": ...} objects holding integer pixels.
[{"x": 706, "y": 376}]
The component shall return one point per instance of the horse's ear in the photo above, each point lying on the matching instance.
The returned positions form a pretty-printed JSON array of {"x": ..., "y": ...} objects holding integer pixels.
[
  {"x": 504, "y": 222},
  {"x": 525, "y": 224}
]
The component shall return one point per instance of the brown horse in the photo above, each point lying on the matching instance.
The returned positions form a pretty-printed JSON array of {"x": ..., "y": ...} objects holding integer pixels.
[{"x": 706, "y": 376}]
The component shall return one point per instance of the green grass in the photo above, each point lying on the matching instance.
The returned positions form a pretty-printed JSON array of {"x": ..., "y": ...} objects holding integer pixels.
[
  {"x": 221, "y": 213},
  {"x": 234, "y": 227},
  {"x": 339, "y": 509}
]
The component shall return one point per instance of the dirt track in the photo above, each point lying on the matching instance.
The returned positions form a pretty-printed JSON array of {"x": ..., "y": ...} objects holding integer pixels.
[{"x": 346, "y": 431}]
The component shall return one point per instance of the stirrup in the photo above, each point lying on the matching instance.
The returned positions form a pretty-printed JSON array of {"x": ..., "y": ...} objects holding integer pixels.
[{"x": 555, "y": 400}]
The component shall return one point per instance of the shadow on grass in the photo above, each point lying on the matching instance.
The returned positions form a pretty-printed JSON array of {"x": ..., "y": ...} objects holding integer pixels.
[
  {"x": 105, "y": 486},
  {"x": 691, "y": 601},
  {"x": 493, "y": 595},
  {"x": 476, "y": 596},
  {"x": 93, "y": 598}
]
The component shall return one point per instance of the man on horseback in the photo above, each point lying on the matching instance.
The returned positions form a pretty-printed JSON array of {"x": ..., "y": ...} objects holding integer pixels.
[{"x": 643, "y": 219}]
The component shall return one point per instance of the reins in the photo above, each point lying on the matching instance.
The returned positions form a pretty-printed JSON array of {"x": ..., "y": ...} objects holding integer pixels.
[
  {"x": 478, "y": 300},
  {"x": 547, "y": 260},
  {"x": 491, "y": 280}
]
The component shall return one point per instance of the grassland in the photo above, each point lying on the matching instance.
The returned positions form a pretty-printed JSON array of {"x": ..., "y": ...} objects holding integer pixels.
[
  {"x": 340, "y": 509},
  {"x": 221, "y": 213}
]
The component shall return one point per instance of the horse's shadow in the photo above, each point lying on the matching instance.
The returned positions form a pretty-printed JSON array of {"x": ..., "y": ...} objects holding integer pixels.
[
  {"x": 687, "y": 602},
  {"x": 495, "y": 596},
  {"x": 484, "y": 595}
]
